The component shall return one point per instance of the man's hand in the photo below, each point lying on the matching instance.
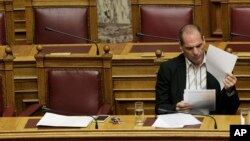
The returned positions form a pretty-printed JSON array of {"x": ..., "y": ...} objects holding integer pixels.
[
  {"x": 229, "y": 81},
  {"x": 182, "y": 106}
]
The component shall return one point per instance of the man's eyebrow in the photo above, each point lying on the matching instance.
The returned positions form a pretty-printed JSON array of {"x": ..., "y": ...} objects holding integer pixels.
[{"x": 193, "y": 46}]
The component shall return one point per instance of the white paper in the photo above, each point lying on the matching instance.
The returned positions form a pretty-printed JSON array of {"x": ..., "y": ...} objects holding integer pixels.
[
  {"x": 178, "y": 120},
  {"x": 219, "y": 62},
  {"x": 200, "y": 99},
  {"x": 51, "y": 119}
]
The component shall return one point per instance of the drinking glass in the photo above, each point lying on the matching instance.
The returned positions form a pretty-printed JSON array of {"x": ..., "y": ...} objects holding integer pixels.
[
  {"x": 139, "y": 113},
  {"x": 245, "y": 116}
]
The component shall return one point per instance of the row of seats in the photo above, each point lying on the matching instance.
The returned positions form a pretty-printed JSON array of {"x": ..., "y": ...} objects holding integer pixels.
[
  {"x": 166, "y": 22},
  {"x": 63, "y": 87}
]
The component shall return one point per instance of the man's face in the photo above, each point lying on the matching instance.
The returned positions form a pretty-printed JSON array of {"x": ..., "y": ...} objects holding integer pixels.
[{"x": 193, "y": 47}]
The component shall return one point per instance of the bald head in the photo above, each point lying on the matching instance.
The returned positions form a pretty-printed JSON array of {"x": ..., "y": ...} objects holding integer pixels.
[{"x": 189, "y": 30}]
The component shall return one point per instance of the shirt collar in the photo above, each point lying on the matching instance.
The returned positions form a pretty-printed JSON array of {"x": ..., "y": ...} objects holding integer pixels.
[{"x": 188, "y": 63}]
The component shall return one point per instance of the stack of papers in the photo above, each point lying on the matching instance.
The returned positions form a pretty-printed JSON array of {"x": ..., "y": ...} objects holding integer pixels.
[
  {"x": 55, "y": 120},
  {"x": 178, "y": 120}
]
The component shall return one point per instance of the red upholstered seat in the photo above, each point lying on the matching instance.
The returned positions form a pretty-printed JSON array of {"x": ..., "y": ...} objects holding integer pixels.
[
  {"x": 72, "y": 20},
  {"x": 163, "y": 21},
  {"x": 2, "y": 29},
  {"x": 75, "y": 91},
  {"x": 240, "y": 21}
]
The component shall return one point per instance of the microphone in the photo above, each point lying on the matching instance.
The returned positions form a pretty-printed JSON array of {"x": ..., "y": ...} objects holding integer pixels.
[
  {"x": 139, "y": 34},
  {"x": 46, "y": 109},
  {"x": 240, "y": 35},
  {"x": 71, "y": 35},
  {"x": 164, "y": 111}
]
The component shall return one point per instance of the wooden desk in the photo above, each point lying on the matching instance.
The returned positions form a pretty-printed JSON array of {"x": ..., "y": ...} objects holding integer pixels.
[
  {"x": 14, "y": 129},
  {"x": 133, "y": 73}
]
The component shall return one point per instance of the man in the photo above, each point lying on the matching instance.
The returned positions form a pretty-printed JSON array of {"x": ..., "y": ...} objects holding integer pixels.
[{"x": 188, "y": 71}]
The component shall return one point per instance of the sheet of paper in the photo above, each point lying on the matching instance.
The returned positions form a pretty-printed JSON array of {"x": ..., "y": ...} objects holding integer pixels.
[
  {"x": 219, "y": 62},
  {"x": 51, "y": 119},
  {"x": 177, "y": 120},
  {"x": 200, "y": 99}
]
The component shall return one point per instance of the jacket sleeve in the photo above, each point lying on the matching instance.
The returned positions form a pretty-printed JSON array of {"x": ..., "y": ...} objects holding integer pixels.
[{"x": 163, "y": 96}]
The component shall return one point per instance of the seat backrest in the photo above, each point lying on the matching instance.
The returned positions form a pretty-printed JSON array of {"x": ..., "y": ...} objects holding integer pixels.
[
  {"x": 76, "y": 17},
  {"x": 2, "y": 29},
  {"x": 164, "y": 21},
  {"x": 75, "y": 91},
  {"x": 240, "y": 23},
  {"x": 75, "y": 83},
  {"x": 164, "y": 18},
  {"x": 66, "y": 19},
  {"x": 235, "y": 20}
]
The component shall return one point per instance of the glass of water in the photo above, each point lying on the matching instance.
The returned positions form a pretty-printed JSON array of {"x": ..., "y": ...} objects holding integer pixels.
[
  {"x": 245, "y": 116},
  {"x": 139, "y": 113}
]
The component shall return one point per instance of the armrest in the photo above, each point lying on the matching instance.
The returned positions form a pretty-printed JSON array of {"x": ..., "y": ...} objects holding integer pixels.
[
  {"x": 9, "y": 112},
  {"x": 30, "y": 110},
  {"x": 105, "y": 109}
]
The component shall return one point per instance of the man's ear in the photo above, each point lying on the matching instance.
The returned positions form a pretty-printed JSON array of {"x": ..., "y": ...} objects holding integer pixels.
[
  {"x": 204, "y": 41},
  {"x": 180, "y": 47}
]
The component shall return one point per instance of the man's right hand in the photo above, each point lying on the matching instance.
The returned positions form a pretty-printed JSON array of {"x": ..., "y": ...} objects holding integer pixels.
[{"x": 183, "y": 106}]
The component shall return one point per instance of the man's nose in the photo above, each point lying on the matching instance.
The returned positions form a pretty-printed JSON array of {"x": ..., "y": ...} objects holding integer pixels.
[{"x": 195, "y": 51}]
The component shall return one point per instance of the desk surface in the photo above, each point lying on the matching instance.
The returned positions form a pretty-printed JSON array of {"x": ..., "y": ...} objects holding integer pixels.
[
  {"x": 119, "y": 51},
  {"x": 14, "y": 128}
]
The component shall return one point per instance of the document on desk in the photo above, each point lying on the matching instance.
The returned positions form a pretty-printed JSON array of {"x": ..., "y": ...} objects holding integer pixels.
[
  {"x": 219, "y": 62},
  {"x": 177, "y": 120},
  {"x": 200, "y": 99},
  {"x": 56, "y": 120}
]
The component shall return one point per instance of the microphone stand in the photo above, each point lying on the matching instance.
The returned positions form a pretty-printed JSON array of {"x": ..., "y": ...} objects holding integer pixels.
[
  {"x": 138, "y": 34},
  {"x": 240, "y": 35},
  {"x": 46, "y": 109},
  {"x": 71, "y": 35},
  {"x": 164, "y": 111}
]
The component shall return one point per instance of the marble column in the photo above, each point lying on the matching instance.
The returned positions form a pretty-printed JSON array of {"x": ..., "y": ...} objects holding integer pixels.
[{"x": 114, "y": 21}]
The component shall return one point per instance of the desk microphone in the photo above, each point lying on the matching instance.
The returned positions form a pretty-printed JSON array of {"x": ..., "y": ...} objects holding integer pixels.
[
  {"x": 240, "y": 35},
  {"x": 46, "y": 109},
  {"x": 139, "y": 34},
  {"x": 71, "y": 35},
  {"x": 198, "y": 113}
]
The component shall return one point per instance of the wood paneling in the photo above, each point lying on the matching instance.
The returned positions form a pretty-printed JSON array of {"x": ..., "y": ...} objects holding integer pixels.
[
  {"x": 7, "y": 7},
  {"x": 6, "y": 72}
]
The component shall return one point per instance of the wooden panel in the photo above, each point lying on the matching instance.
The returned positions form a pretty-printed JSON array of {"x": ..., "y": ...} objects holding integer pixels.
[
  {"x": 7, "y": 7},
  {"x": 6, "y": 72},
  {"x": 25, "y": 80},
  {"x": 215, "y": 18}
]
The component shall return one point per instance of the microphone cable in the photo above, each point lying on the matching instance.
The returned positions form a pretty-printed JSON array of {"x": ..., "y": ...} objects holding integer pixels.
[
  {"x": 138, "y": 34},
  {"x": 240, "y": 35},
  {"x": 71, "y": 35}
]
